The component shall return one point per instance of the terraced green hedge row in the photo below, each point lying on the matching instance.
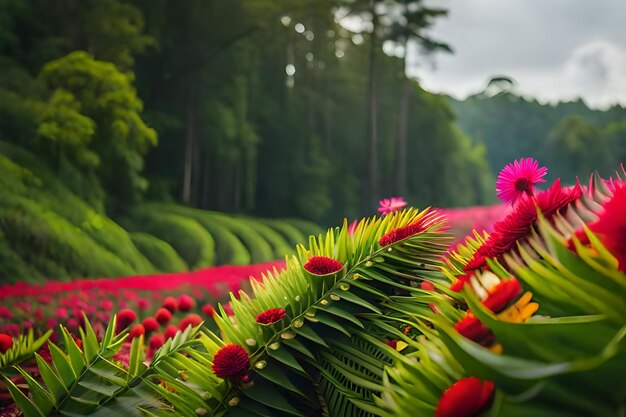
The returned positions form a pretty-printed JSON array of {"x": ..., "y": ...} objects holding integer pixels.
[{"x": 46, "y": 231}]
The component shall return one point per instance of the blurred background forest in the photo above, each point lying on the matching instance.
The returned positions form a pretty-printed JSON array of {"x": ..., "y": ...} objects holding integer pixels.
[{"x": 157, "y": 135}]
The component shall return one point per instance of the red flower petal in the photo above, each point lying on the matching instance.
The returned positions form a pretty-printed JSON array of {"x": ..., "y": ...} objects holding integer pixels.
[
  {"x": 472, "y": 328},
  {"x": 427, "y": 286},
  {"x": 208, "y": 310},
  {"x": 322, "y": 265},
  {"x": 401, "y": 233},
  {"x": 502, "y": 295},
  {"x": 6, "y": 342},
  {"x": 611, "y": 226},
  {"x": 231, "y": 361},
  {"x": 465, "y": 398},
  {"x": 271, "y": 316}
]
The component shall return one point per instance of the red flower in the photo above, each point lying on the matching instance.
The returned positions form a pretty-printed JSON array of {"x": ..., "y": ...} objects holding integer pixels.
[
  {"x": 457, "y": 285},
  {"x": 271, "y": 316},
  {"x": 142, "y": 304},
  {"x": 518, "y": 179},
  {"x": 150, "y": 324},
  {"x": 136, "y": 331},
  {"x": 163, "y": 315},
  {"x": 185, "y": 303},
  {"x": 170, "y": 331},
  {"x": 611, "y": 226},
  {"x": 231, "y": 361},
  {"x": 427, "y": 286},
  {"x": 124, "y": 319},
  {"x": 228, "y": 309},
  {"x": 392, "y": 344},
  {"x": 106, "y": 305},
  {"x": 6, "y": 342},
  {"x": 520, "y": 222},
  {"x": 401, "y": 233},
  {"x": 502, "y": 295},
  {"x": 470, "y": 327},
  {"x": 322, "y": 265},
  {"x": 171, "y": 304},
  {"x": 208, "y": 310},
  {"x": 61, "y": 313},
  {"x": 5, "y": 313},
  {"x": 191, "y": 319},
  {"x": 156, "y": 342},
  {"x": 465, "y": 398}
]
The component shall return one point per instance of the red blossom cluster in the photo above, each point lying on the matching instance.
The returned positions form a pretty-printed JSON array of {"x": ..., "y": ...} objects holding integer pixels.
[{"x": 156, "y": 306}]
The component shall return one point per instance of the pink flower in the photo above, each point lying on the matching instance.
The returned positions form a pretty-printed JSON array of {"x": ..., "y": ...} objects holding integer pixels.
[
  {"x": 389, "y": 205},
  {"x": 352, "y": 227},
  {"x": 519, "y": 178}
]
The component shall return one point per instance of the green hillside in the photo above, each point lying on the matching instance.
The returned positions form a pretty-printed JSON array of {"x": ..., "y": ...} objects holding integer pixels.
[{"x": 46, "y": 231}]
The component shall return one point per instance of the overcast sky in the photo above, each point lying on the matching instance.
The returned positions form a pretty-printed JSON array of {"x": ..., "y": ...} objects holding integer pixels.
[{"x": 553, "y": 49}]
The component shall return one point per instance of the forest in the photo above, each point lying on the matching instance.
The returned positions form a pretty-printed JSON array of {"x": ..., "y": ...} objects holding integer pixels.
[{"x": 120, "y": 118}]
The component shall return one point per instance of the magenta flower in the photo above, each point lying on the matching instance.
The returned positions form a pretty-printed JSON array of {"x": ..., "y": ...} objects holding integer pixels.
[
  {"x": 519, "y": 178},
  {"x": 389, "y": 205}
]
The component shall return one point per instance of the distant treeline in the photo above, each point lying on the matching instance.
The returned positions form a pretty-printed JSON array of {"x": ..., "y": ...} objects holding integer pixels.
[{"x": 570, "y": 138}]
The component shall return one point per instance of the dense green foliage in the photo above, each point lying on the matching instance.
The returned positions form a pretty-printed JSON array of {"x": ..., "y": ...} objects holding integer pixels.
[
  {"x": 569, "y": 137},
  {"x": 259, "y": 106}
]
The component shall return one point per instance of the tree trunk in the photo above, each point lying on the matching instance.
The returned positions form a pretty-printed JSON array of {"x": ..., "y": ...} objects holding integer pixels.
[
  {"x": 401, "y": 144},
  {"x": 372, "y": 122},
  {"x": 189, "y": 144}
]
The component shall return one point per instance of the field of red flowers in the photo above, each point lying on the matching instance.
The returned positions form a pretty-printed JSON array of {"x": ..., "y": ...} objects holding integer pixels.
[{"x": 41, "y": 307}]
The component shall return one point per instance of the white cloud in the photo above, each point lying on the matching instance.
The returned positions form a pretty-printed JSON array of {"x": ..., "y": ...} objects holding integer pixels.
[{"x": 555, "y": 50}]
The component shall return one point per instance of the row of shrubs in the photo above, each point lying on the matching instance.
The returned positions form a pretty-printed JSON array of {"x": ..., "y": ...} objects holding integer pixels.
[{"x": 46, "y": 231}]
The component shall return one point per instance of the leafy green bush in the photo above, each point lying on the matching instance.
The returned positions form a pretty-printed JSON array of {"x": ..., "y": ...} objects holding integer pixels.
[
  {"x": 160, "y": 253},
  {"x": 307, "y": 228},
  {"x": 229, "y": 250},
  {"x": 280, "y": 247},
  {"x": 24, "y": 175},
  {"x": 192, "y": 242},
  {"x": 291, "y": 233},
  {"x": 45, "y": 240},
  {"x": 260, "y": 250}
]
